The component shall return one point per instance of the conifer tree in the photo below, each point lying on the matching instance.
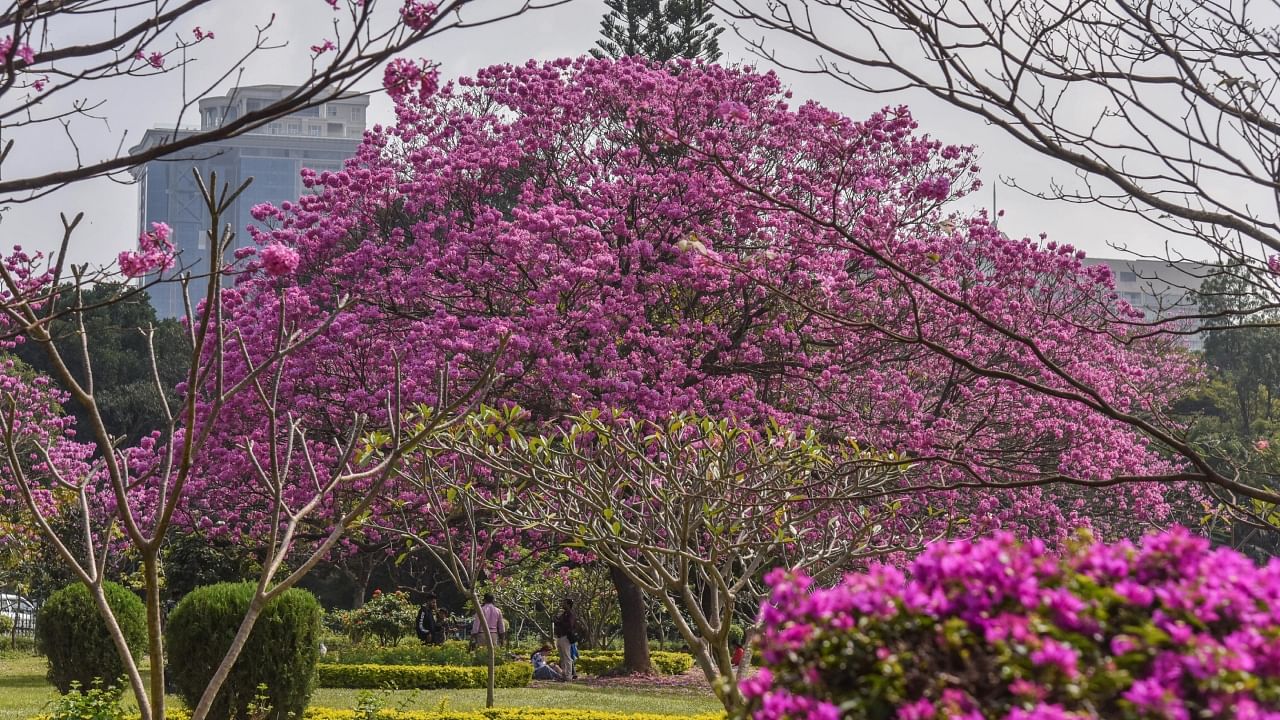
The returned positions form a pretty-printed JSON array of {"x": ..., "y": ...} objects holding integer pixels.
[{"x": 659, "y": 30}]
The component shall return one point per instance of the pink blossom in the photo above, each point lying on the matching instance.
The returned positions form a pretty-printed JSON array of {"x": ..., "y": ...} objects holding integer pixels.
[
  {"x": 732, "y": 110},
  {"x": 155, "y": 253},
  {"x": 417, "y": 14},
  {"x": 23, "y": 51},
  {"x": 279, "y": 259}
]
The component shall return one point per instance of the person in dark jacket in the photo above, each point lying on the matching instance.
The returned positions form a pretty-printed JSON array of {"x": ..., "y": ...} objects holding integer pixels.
[
  {"x": 565, "y": 628},
  {"x": 429, "y": 628}
]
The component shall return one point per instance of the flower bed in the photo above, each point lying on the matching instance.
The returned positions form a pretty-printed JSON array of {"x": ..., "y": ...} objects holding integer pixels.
[
  {"x": 425, "y": 677},
  {"x": 1005, "y": 630}
]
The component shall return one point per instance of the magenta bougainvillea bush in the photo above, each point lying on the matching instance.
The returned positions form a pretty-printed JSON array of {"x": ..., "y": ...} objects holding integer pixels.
[{"x": 1169, "y": 629}]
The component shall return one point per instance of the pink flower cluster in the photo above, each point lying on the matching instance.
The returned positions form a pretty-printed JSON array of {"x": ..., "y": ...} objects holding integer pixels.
[
  {"x": 155, "y": 59},
  {"x": 999, "y": 629},
  {"x": 278, "y": 259},
  {"x": 23, "y": 52},
  {"x": 31, "y": 273},
  {"x": 155, "y": 253},
  {"x": 407, "y": 81},
  {"x": 417, "y": 14}
]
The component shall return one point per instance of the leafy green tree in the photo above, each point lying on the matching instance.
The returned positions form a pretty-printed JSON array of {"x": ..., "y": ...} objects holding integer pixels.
[
  {"x": 192, "y": 560},
  {"x": 659, "y": 30},
  {"x": 1243, "y": 346},
  {"x": 531, "y": 590},
  {"x": 118, "y": 328},
  {"x": 1233, "y": 418}
]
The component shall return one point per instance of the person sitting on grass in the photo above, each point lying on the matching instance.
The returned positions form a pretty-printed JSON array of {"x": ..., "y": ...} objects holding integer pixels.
[{"x": 543, "y": 670}]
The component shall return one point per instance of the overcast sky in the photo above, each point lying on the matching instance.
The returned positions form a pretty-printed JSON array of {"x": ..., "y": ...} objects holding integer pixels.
[{"x": 132, "y": 106}]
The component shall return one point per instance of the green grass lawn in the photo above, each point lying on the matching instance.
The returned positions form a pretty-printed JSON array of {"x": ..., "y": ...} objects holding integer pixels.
[
  {"x": 623, "y": 700},
  {"x": 24, "y": 693},
  {"x": 23, "y": 689}
]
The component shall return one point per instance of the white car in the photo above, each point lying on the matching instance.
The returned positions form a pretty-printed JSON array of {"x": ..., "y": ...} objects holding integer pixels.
[{"x": 20, "y": 610}]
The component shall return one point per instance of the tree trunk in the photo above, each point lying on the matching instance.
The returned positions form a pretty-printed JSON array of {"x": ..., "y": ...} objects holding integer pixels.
[
  {"x": 155, "y": 633},
  {"x": 635, "y": 627},
  {"x": 360, "y": 569}
]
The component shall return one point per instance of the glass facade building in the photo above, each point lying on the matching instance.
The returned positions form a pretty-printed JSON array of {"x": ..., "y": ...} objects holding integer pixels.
[{"x": 320, "y": 138}]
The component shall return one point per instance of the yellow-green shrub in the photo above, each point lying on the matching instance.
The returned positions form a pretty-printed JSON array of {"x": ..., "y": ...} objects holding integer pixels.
[
  {"x": 451, "y": 652},
  {"x": 598, "y": 662},
  {"x": 425, "y": 677}
]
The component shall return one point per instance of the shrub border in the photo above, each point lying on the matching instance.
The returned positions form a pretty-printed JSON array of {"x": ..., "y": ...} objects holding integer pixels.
[
  {"x": 596, "y": 662},
  {"x": 422, "y": 677}
]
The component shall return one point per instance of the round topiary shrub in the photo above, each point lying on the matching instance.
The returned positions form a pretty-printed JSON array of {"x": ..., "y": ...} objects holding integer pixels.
[
  {"x": 72, "y": 635},
  {"x": 281, "y": 652},
  {"x": 1005, "y": 630}
]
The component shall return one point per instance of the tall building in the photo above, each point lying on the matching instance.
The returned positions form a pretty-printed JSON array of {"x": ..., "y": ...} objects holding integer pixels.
[
  {"x": 1160, "y": 288},
  {"x": 320, "y": 138}
]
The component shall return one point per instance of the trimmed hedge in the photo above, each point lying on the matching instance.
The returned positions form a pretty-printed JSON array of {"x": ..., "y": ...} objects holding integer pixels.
[
  {"x": 72, "y": 635},
  {"x": 599, "y": 662},
  {"x": 423, "y": 677},
  {"x": 281, "y": 651},
  {"x": 451, "y": 652}
]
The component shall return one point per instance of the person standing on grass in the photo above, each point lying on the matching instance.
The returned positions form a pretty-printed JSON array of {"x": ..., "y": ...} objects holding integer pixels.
[
  {"x": 442, "y": 623},
  {"x": 565, "y": 628},
  {"x": 428, "y": 626},
  {"x": 490, "y": 615}
]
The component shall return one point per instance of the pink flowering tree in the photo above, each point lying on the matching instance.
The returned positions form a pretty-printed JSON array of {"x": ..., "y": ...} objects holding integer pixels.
[
  {"x": 126, "y": 498},
  {"x": 666, "y": 239},
  {"x": 1006, "y": 630},
  {"x": 942, "y": 273},
  {"x": 1205, "y": 182},
  {"x": 60, "y": 66}
]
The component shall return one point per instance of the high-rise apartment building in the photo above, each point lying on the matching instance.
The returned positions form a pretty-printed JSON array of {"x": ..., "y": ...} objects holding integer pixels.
[
  {"x": 1159, "y": 288},
  {"x": 320, "y": 138}
]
